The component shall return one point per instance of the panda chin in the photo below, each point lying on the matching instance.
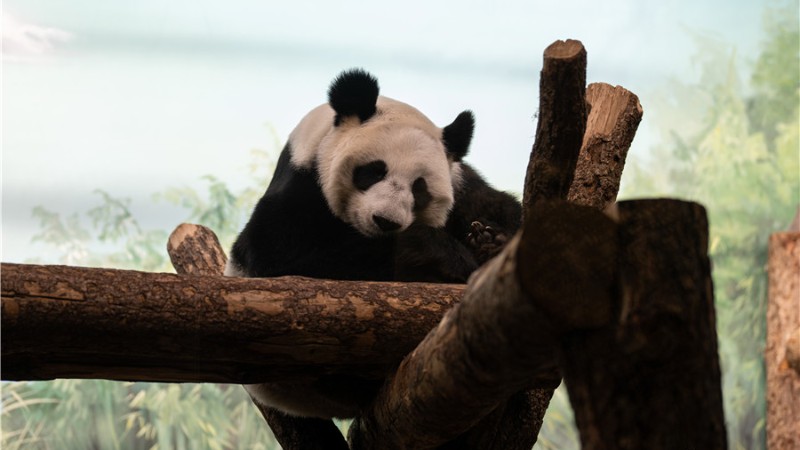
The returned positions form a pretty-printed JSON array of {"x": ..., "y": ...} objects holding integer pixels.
[{"x": 373, "y": 232}]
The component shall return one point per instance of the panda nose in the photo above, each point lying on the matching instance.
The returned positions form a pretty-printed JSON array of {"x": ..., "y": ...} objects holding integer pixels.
[{"x": 384, "y": 224}]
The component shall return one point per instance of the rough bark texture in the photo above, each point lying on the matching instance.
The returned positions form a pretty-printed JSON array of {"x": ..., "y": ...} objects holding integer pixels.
[
  {"x": 71, "y": 322},
  {"x": 550, "y": 171},
  {"x": 562, "y": 123},
  {"x": 652, "y": 380},
  {"x": 195, "y": 250},
  {"x": 613, "y": 119},
  {"x": 493, "y": 344},
  {"x": 783, "y": 334}
]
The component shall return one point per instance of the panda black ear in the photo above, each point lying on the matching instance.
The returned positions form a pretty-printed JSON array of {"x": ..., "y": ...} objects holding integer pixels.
[
  {"x": 353, "y": 93},
  {"x": 458, "y": 135}
]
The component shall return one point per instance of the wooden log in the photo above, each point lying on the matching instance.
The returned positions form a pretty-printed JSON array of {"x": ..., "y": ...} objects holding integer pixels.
[
  {"x": 652, "y": 379},
  {"x": 498, "y": 340},
  {"x": 561, "y": 126},
  {"x": 550, "y": 171},
  {"x": 613, "y": 119},
  {"x": 72, "y": 322},
  {"x": 783, "y": 335},
  {"x": 195, "y": 250}
]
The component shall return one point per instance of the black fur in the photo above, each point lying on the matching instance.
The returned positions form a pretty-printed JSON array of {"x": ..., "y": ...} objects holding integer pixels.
[
  {"x": 293, "y": 232},
  {"x": 353, "y": 93},
  {"x": 458, "y": 135},
  {"x": 450, "y": 255}
]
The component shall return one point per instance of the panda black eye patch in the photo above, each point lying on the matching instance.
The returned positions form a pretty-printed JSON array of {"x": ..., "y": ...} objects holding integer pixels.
[
  {"x": 421, "y": 195},
  {"x": 368, "y": 174}
]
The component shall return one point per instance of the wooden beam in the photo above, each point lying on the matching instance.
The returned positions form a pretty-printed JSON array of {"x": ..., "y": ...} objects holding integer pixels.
[
  {"x": 72, "y": 322},
  {"x": 783, "y": 338},
  {"x": 651, "y": 379}
]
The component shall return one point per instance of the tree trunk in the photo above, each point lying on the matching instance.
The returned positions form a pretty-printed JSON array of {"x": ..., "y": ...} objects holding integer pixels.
[
  {"x": 652, "y": 379},
  {"x": 783, "y": 342}
]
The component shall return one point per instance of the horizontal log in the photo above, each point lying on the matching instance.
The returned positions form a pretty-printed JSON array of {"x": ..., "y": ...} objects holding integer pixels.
[{"x": 71, "y": 322}]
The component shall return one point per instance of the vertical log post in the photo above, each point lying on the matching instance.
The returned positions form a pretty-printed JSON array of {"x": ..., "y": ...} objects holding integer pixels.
[
  {"x": 783, "y": 342},
  {"x": 652, "y": 380},
  {"x": 195, "y": 250}
]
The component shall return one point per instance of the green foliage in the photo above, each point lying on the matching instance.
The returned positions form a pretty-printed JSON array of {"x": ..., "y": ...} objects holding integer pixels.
[
  {"x": 82, "y": 414},
  {"x": 737, "y": 155}
]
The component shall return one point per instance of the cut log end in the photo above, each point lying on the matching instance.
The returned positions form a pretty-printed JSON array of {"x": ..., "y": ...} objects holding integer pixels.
[
  {"x": 567, "y": 49},
  {"x": 195, "y": 249}
]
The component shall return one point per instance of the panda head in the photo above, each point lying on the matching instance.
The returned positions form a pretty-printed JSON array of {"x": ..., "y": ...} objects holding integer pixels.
[{"x": 382, "y": 165}]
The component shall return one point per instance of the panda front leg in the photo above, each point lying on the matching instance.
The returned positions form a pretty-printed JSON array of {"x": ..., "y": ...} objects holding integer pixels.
[{"x": 432, "y": 255}]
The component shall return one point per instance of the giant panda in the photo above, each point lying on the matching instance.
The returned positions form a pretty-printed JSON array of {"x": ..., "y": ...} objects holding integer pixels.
[{"x": 368, "y": 188}]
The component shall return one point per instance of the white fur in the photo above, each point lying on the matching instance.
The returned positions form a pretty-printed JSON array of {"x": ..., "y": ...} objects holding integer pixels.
[
  {"x": 233, "y": 270},
  {"x": 293, "y": 398},
  {"x": 399, "y": 135}
]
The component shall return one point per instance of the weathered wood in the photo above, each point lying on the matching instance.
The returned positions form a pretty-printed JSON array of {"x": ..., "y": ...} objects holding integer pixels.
[
  {"x": 494, "y": 343},
  {"x": 561, "y": 125},
  {"x": 613, "y": 119},
  {"x": 195, "y": 250},
  {"x": 652, "y": 379},
  {"x": 783, "y": 335},
  {"x": 71, "y": 322},
  {"x": 550, "y": 171},
  {"x": 793, "y": 351}
]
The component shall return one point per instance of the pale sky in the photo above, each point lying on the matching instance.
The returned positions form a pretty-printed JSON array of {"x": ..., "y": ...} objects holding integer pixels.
[{"x": 135, "y": 97}]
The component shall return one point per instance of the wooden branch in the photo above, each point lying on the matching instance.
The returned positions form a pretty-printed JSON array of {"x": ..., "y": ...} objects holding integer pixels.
[
  {"x": 71, "y": 322},
  {"x": 613, "y": 119},
  {"x": 551, "y": 166},
  {"x": 195, "y": 250},
  {"x": 783, "y": 341},
  {"x": 497, "y": 341},
  {"x": 652, "y": 379},
  {"x": 561, "y": 126}
]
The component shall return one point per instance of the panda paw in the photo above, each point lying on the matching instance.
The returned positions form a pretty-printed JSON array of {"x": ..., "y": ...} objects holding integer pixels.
[{"x": 485, "y": 242}]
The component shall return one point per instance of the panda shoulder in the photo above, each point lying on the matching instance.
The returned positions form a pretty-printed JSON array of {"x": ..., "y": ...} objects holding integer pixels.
[{"x": 304, "y": 140}]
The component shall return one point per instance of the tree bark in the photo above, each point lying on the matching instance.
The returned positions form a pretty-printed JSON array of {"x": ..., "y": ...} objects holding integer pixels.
[
  {"x": 195, "y": 250},
  {"x": 613, "y": 119},
  {"x": 652, "y": 379},
  {"x": 550, "y": 171},
  {"x": 498, "y": 340},
  {"x": 71, "y": 322},
  {"x": 561, "y": 126},
  {"x": 783, "y": 338}
]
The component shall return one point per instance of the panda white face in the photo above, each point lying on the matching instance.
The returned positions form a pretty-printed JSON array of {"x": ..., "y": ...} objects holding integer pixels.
[
  {"x": 388, "y": 178},
  {"x": 381, "y": 164}
]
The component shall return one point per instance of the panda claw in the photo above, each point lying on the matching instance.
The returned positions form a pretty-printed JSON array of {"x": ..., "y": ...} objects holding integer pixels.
[{"x": 486, "y": 242}]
